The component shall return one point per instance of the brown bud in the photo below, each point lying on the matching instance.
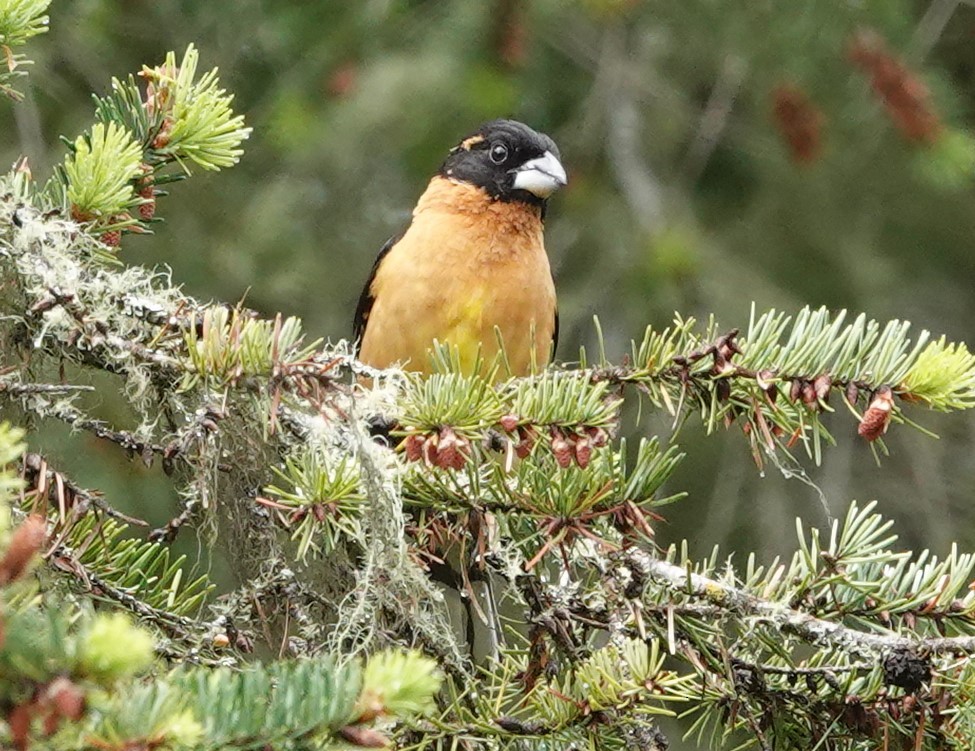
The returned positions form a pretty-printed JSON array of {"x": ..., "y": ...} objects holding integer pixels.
[
  {"x": 162, "y": 137},
  {"x": 509, "y": 422},
  {"x": 413, "y": 447},
  {"x": 598, "y": 436},
  {"x": 876, "y": 419},
  {"x": 80, "y": 215},
  {"x": 795, "y": 390},
  {"x": 526, "y": 442},
  {"x": 147, "y": 210},
  {"x": 583, "y": 451},
  {"x": 722, "y": 364},
  {"x": 562, "y": 449},
  {"x": 822, "y": 386},
  {"x": 25, "y": 543},
  {"x": 430, "y": 446},
  {"x": 221, "y": 641},
  {"x": 809, "y": 395},
  {"x": 450, "y": 450},
  {"x": 18, "y": 723},
  {"x": 852, "y": 392},
  {"x": 112, "y": 239}
]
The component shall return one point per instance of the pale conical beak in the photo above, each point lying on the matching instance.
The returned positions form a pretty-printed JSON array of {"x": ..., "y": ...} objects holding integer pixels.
[{"x": 541, "y": 176}]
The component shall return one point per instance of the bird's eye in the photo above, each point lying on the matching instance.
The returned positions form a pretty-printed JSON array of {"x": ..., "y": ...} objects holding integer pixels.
[{"x": 499, "y": 152}]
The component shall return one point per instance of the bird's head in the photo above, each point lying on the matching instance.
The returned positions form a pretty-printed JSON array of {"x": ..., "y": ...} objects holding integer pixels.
[{"x": 509, "y": 160}]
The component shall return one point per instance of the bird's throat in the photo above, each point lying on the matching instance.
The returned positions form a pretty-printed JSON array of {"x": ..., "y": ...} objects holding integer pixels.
[{"x": 508, "y": 225}]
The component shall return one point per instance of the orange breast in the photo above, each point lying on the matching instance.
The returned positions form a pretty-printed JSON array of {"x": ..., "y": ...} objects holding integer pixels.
[{"x": 466, "y": 266}]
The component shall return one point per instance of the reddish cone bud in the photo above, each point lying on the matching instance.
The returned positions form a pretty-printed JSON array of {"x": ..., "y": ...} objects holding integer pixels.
[
  {"x": 598, "y": 436},
  {"x": 449, "y": 450},
  {"x": 795, "y": 390},
  {"x": 562, "y": 449},
  {"x": 809, "y": 395},
  {"x": 80, "y": 215},
  {"x": 68, "y": 698},
  {"x": 852, "y": 392},
  {"x": 430, "y": 446},
  {"x": 526, "y": 442},
  {"x": 18, "y": 722},
  {"x": 822, "y": 386},
  {"x": 413, "y": 447},
  {"x": 583, "y": 452},
  {"x": 147, "y": 210},
  {"x": 162, "y": 137},
  {"x": 112, "y": 239},
  {"x": 876, "y": 419},
  {"x": 509, "y": 422}
]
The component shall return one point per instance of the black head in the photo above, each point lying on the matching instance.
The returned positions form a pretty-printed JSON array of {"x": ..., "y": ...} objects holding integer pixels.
[{"x": 509, "y": 160}]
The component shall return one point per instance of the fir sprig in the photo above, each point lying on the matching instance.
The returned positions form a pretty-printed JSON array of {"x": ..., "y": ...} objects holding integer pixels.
[
  {"x": 125, "y": 106},
  {"x": 468, "y": 404},
  {"x": 198, "y": 123},
  {"x": 563, "y": 399},
  {"x": 777, "y": 379},
  {"x": 20, "y": 20},
  {"x": 942, "y": 377},
  {"x": 319, "y": 497},
  {"x": 629, "y": 677},
  {"x": 225, "y": 345},
  {"x": 100, "y": 171},
  {"x": 146, "y": 571}
]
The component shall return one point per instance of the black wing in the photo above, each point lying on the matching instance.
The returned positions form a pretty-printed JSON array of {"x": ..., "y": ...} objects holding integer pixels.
[
  {"x": 555, "y": 334},
  {"x": 366, "y": 299}
]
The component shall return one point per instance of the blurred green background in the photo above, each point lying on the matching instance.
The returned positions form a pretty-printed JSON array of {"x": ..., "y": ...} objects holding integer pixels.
[{"x": 719, "y": 154}]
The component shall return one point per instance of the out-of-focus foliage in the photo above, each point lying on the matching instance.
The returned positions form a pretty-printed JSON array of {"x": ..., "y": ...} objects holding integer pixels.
[{"x": 718, "y": 155}]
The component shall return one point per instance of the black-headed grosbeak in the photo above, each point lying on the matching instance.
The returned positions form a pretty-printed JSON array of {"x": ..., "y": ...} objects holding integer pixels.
[{"x": 472, "y": 260}]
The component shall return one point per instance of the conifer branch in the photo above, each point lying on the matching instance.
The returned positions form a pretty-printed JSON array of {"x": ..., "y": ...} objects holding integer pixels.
[
  {"x": 489, "y": 480},
  {"x": 809, "y": 628},
  {"x": 140, "y": 575}
]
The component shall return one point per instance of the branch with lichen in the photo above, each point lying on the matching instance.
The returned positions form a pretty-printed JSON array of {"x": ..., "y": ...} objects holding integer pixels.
[{"x": 341, "y": 539}]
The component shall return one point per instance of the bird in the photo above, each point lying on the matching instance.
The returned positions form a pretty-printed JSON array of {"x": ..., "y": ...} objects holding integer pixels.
[{"x": 471, "y": 267}]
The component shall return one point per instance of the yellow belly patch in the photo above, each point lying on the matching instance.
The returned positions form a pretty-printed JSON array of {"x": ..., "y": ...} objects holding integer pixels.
[{"x": 465, "y": 334}]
